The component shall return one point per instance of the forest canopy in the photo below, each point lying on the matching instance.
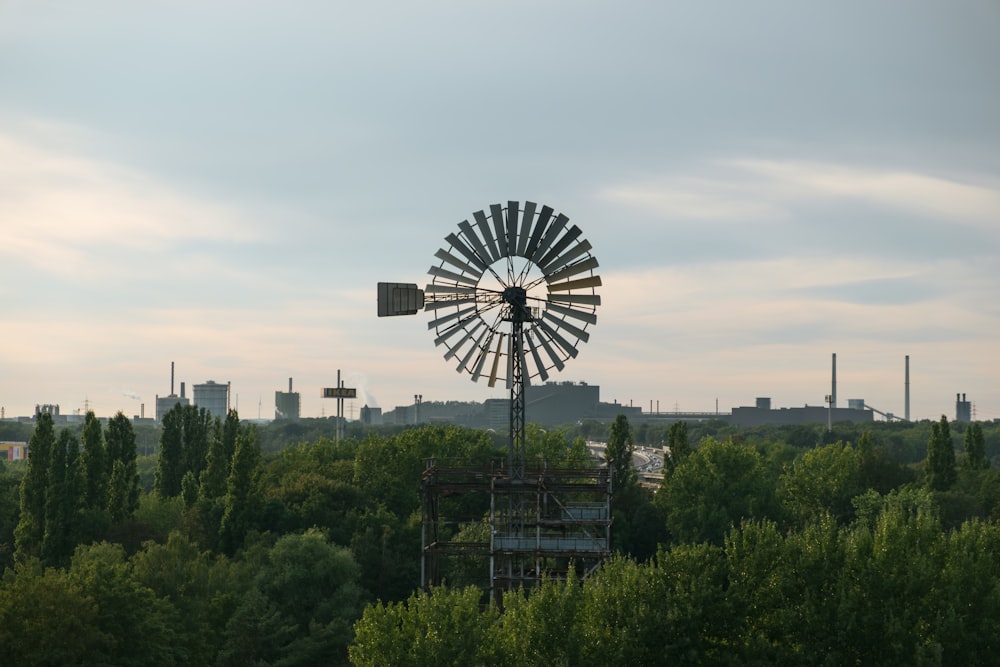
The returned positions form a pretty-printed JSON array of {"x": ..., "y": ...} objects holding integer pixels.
[{"x": 219, "y": 542}]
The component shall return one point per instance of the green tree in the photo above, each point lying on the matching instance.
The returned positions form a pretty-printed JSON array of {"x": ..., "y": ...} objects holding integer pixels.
[
  {"x": 170, "y": 465},
  {"x": 123, "y": 495},
  {"x": 939, "y": 470},
  {"x": 618, "y": 453},
  {"x": 30, "y": 529},
  {"x": 61, "y": 501},
  {"x": 715, "y": 488},
  {"x": 822, "y": 480},
  {"x": 204, "y": 590},
  {"x": 306, "y": 591},
  {"x": 142, "y": 627},
  {"x": 199, "y": 427},
  {"x": 221, "y": 448},
  {"x": 243, "y": 494},
  {"x": 677, "y": 443},
  {"x": 441, "y": 627},
  {"x": 975, "y": 448},
  {"x": 46, "y": 619},
  {"x": 94, "y": 460}
]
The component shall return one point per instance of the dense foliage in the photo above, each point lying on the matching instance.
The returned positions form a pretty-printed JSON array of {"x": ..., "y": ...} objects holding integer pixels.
[{"x": 230, "y": 545}]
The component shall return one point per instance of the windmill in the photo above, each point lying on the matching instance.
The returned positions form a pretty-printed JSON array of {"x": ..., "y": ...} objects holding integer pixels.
[{"x": 511, "y": 298}]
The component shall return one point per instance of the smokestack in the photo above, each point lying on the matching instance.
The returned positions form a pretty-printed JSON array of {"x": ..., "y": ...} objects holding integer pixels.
[
  {"x": 833, "y": 388},
  {"x": 182, "y": 390},
  {"x": 907, "y": 402},
  {"x": 289, "y": 385},
  {"x": 171, "y": 378}
]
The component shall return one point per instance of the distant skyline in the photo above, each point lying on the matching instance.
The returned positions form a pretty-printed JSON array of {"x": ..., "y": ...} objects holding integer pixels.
[{"x": 223, "y": 184}]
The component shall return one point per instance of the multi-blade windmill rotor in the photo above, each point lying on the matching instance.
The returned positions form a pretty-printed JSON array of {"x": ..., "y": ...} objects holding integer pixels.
[{"x": 511, "y": 298}]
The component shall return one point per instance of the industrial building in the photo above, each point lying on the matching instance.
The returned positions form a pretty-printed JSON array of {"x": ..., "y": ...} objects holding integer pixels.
[
  {"x": 213, "y": 397},
  {"x": 286, "y": 404},
  {"x": 165, "y": 404}
]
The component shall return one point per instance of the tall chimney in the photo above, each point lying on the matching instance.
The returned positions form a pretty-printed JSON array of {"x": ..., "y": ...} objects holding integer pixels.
[
  {"x": 289, "y": 385},
  {"x": 833, "y": 388},
  {"x": 182, "y": 390},
  {"x": 171, "y": 378},
  {"x": 907, "y": 402}
]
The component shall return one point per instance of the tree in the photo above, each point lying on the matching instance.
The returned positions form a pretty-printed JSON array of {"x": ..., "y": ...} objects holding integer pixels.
[
  {"x": 221, "y": 447},
  {"x": 46, "y": 619},
  {"x": 441, "y": 627},
  {"x": 170, "y": 465},
  {"x": 677, "y": 443},
  {"x": 123, "y": 494},
  {"x": 717, "y": 486},
  {"x": 975, "y": 448},
  {"x": 94, "y": 460},
  {"x": 940, "y": 466},
  {"x": 61, "y": 502},
  {"x": 618, "y": 454},
  {"x": 198, "y": 430},
  {"x": 34, "y": 486},
  {"x": 243, "y": 496},
  {"x": 823, "y": 480},
  {"x": 306, "y": 584}
]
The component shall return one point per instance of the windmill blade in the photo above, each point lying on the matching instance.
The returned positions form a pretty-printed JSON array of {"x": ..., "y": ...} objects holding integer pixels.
[
  {"x": 484, "y": 255},
  {"x": 571, "y": 235},
  {"x": 455, "y": 347},
  {"x": 457, "y": 315},
  {"x": 556, "y": 359},
  {"x": 484, "y": 228},
  {"x": 499, "y": 229},
  {"x": 579, "y": 249},
  {"x": 496, "y": 362},
  {"x": 435, "y": 304},
  {"x": 445, "y": 256},
  {"x": 463, "y": 363},
  {"x": 536, "y": 234},
  {"x": 583, "y": 315},
  {"x": 526, "y": 219},
  {"x": 470, "y": 254},
  {"x": 582, "y": 283},
  {"x": 448, "y": 289},
  {"x": 558, "y": 339},
  {"x": 484, "y": 352},
  {"x": 563, "y": 324},
  {"x": 588, "y": 264},
  {"x": 542, "y": 372},
  {"x": 555, "y": 229},
  {"x": 438, "y": 272},
  {"x": 513, "y": 210},
  {"x": 588, "y": 299},
  {"x": 448, "y": 333}
]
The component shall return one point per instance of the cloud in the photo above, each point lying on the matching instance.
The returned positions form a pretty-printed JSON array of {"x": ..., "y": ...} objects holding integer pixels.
[
  {"x": 745, "y": 189},
  {"x": 58, "y": 207}
]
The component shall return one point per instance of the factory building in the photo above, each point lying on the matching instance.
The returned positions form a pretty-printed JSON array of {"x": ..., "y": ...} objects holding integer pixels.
[
  {"x": 286, "y": 403},
  {"x": 213, "y": 397}
]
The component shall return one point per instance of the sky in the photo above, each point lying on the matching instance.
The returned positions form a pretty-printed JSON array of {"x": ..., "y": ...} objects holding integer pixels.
[{"x": 222, "y": 185}]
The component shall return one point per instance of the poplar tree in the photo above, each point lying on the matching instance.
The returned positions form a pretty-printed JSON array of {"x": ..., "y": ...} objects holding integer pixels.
[
  {"x": 242, "y": 501},
  {"x": 94, "y": 461},
  {"x": 60, "y": 502},
  {"x": 940, "y": 466},
  {"x": 31, "y": 524},
  {"x": 618, "y": 453},
  {"x": 677, "y": 442},
  {"x": 170, "y": 465},
  {"x": 975, "y": 448},
  {"x": 123, "y": 491},
  {"x": 219, "y": 457}
]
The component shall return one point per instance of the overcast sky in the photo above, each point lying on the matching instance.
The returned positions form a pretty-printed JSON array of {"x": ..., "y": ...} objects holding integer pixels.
[{"x": 222, "y": 184}]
